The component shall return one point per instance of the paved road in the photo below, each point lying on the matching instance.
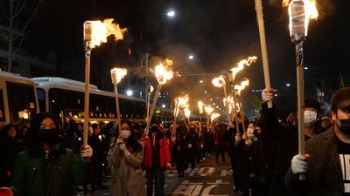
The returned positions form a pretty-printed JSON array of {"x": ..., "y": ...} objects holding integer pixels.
[{"x": 209, "y": 178}]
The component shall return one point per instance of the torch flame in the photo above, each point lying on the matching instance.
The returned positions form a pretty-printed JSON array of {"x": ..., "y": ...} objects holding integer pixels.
[
  {"x": 214, "y": 116},
  {"x": 187, "y": 112},
  {"x": 181, "y": 102},
  {"x": 244, "y": 83},
  {"x": 162, "y": 74},
  {"x": 240, "y": 66},
  {"x": 200, "y": 106},
  {"x": 300, "y": 11},
  {"x": 219, "y": 81},
  {"x": 97, "y": 31},
  {"x": 208, "y": 109},
  {"x": 118, "y": 74}
]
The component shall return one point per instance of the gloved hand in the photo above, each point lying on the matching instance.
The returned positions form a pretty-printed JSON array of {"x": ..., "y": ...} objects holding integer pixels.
[
  {"x": 86, "y": 151},
  {"x": 267, "y": 95},
  {"x": 5, "y": 191},
  {"x": 299, "y": 164}
]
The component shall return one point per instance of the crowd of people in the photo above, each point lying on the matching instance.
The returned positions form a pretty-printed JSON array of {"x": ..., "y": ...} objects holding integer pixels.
[{"x": 46, "y": 159}]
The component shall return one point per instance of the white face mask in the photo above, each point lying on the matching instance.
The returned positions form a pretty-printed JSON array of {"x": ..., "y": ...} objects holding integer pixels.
[
  {"x": 125, "y": 134},
  {"x": 250, "y": 132},
  {"x": 309, "y": 118}
]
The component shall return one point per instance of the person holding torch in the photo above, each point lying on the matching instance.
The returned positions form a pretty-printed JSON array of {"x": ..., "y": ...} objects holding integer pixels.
[
  {"x": 47, "y": 167},
  {"x": 281, "y": 142},
  {"x": 325, "y": 163}
]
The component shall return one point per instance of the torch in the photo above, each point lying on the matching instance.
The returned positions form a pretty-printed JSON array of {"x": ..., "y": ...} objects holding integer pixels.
[
  {"x": 208, "y": 110},
  {"x": 200, "y": 105},
  {"x": 95, "y": 32},
  {"x": 231, "y": 77},
  {"x": 149, "y": 92},
  {"x": 298, "y": 24},
  {"x": 162, "y": 76},
  {"x": 238, "y": 89},
  {"x": 260, "y": 18},
  {"x": 220, "y": 82},
  {"x": 182, "y": 108},
  {"x": 117, "y": 74}
]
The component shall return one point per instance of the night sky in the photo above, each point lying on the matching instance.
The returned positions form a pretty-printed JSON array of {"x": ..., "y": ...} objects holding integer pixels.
[{"x": 219, "y": 33}]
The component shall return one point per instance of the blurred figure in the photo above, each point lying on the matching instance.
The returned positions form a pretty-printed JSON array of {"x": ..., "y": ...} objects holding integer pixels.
[
  {"x": 325, "y": 123},
  {"x": 156, "y": 159},
  {"x": 10, "y": 146},
  {"x": 251, "y": 165},
  {"x": 180, "y": 150},
  {"x": 219, "y": 142},
  {"x": 96, "y": 141},
  {"x": 208, "y": 139},
  {"x": 47, "y": 168},
  {"x": 192, "y": 138}
]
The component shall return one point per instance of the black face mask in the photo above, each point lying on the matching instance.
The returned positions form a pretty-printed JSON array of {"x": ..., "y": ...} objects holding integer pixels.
[
  {"x": 345, "y": 126},
  {"x": 49, "y": 136}
]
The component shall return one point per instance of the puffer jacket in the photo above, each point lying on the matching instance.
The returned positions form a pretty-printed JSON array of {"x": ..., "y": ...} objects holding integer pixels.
[
  {"x": 52, "y": 174},
  {"x": 164, "y": 153}
]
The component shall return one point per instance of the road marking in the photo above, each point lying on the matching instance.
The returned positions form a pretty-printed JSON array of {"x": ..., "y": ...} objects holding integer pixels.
[{"x": 206, "y": 191}]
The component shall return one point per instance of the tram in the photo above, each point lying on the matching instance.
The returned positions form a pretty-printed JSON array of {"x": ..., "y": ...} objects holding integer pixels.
[
  {"x": 18, "y": 98},
  {"x": 65, "y": 98}
]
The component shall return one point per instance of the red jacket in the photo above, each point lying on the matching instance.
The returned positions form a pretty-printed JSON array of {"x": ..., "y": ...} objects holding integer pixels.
[{"x": 165, "y": 157}]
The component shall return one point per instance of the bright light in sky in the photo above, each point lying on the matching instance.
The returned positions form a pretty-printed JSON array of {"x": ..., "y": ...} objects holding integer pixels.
[{"x": 190, "y": 57}]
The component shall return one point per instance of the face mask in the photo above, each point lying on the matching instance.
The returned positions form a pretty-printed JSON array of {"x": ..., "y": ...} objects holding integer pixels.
[
  {"x": 250, "y": 132},
  {"x": 345, "y": 126},
  {"x": 125, "y": 134},
  {"x": 49, "y": 136},
  {"x": 309, "y": 118}
]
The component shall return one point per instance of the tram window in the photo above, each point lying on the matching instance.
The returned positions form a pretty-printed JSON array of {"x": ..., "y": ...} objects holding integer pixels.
[
  {"x": 74, "y": 100},
  {"x": 41, "y": 98},
  {"x": 20, "y": 98},
  {"x": 102, "y": 106},
  {"x": 2, "y": 108}
]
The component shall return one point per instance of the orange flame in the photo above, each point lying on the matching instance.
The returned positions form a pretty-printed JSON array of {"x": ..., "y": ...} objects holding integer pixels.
[
  {"x": 240, "y": 66},
  {"x": 97, "y": 31},
  {"x": 118, "y": 74},
  {"x": 208, "y": 109},
  {"x": 162, "y": 74},
  {"x": 219, "y": 81},
  {"x": 214, "y": 116},
  {"x": 300, "y": 10},
  {"x": 200, "y": 106},
  {"x": 244, "y": 83}
]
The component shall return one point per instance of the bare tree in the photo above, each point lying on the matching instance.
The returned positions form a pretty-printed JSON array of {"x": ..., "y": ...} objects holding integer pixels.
[{"x": 9, "y": 12}]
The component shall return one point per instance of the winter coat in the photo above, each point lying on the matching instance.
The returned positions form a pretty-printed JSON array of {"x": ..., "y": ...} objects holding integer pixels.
[
  {"x": 52, "y": 174},
  {"x": 324, "y": 176},
  {"x": 164, "y": 153},
  {"x": 126, "y": 173}
]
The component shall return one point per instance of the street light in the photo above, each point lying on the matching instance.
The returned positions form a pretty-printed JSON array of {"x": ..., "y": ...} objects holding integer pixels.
[{"x": 170, "y": 14}]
